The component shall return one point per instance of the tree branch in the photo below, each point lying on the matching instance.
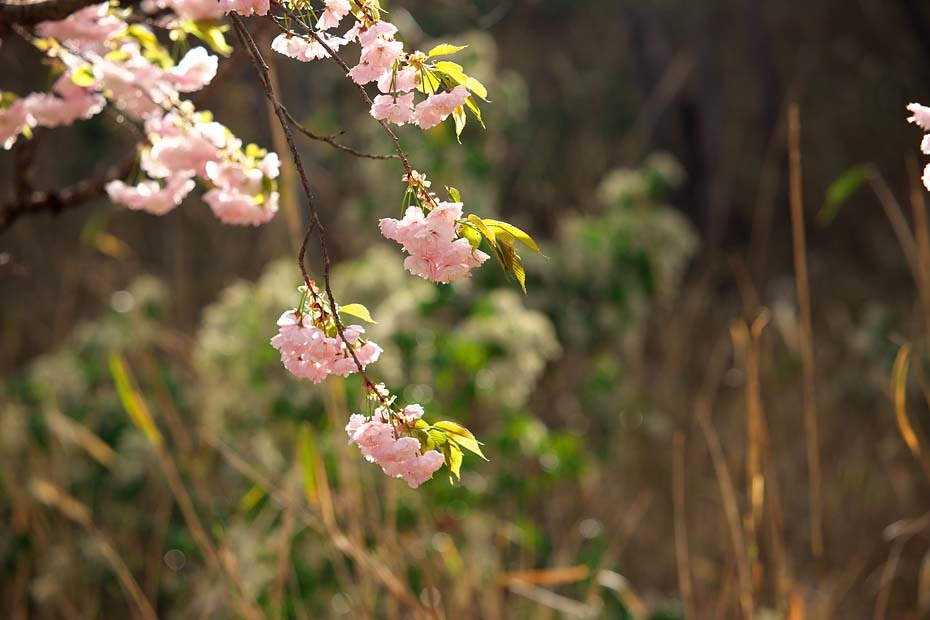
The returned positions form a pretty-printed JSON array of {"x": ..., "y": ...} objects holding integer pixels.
[{"x": 29, "y": 12}]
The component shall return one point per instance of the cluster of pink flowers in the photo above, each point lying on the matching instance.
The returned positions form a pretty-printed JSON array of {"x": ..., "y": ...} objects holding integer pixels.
[
  {"x": 307, "y": 352},
  {"x": 436, "y": 251},
  {"x": 399, "y": 455},
  {"x": 245, "y": 7},
  {"x": 382, "y": 60},
  {"x": 115, "y": 62},
  {"x": 920, "y": 116}
]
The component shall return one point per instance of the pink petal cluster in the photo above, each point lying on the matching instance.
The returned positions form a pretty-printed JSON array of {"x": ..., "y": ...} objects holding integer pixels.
[
  {"x": 333, "y": 12},
  {"x": 150, "y": 195},
  {"x": 65, "y": 104},
  {"x": 431, "y": 241},
  {"x": 399, "y": 81},
  {"x": 398, "y": 456},
  {"x": 194, "y": 9},
  {"x": 397, "y": 109},
  {"x": 920, "y": 116},
  {"x": 245, "y": 7},
  {"x": 379, "y": 52},
  {"x": 438, "y": 107},
  {"x": 196, "y": 70},
  {"x": 307, "y": 352},
  {"x": 239, "y": 197},
  {"x": 12, "y": 121},
  {"x": 85, "y": 29},
  {"x": 305, "y": 50}
]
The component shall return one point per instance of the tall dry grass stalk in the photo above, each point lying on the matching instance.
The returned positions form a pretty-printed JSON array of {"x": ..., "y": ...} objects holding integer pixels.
[{"x": 809, "y": 371}]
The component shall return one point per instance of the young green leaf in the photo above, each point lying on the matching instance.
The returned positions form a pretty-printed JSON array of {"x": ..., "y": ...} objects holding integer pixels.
[
  {"x": 462, "y": 436},
  {"x": 454, "y": 194},
  {"x": 452, "y": 70},
  {"x": 517, "y": 234},
  {"x": 476, "y": 87},
  {"x": 444, "y": 49},
  {"x": 840, "y": 191},
  {"x": 307, "y": 460},
  {"x": 511, "y": 259},
  {"x": 453, "y": 459},
  {"x": 487, "y": 232},
  {"x": 357, "y": 310},
  {"x": 458, "y": 115},
  {"x": 475, "y": 110}
]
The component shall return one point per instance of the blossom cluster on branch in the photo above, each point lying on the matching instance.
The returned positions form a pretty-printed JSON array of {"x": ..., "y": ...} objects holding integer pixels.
[
  {"x": 105, "y": 54},
  {"x": 102, "y": 57}
]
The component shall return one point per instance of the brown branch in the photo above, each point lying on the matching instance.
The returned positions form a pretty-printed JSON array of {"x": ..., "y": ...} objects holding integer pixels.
[
  {"x": 261, "y": 69},
  {"x": 28, "y": 12},
  {"x": 66, "y": 198},
  {"x": 345, "y": 67}
]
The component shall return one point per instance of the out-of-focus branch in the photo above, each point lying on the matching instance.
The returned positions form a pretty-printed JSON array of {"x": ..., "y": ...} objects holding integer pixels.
[
  {"x": 65, "y": 198},
  {"x": 28, "y": 12}
]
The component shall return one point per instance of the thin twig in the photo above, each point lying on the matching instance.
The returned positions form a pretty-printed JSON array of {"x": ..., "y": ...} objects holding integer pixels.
[{"x": 262, "y": 70}]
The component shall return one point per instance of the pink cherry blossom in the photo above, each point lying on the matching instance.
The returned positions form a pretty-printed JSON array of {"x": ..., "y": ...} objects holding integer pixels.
[
  {"x": 398, "y": 456},
  {"x": 12, "y": 121},
  {"x": 85, "y": 29},
  {"x": 303, "y": 49},
  {"x": 380, "y": 29},
  {"x": 245, "y": 7},
  {"x": 307, "y": 352},
  {"x": 195, "y": 9},
  {"x": 363, "y": 73},
  {"x": 381, "y": 54},
  {"x": 397, "y": 110},
  {"x": 184, "y": 155},
  {"x": 333, "y": 13},
  {"x": 412, "y": 413},
  {"x": 195, "y": 70},
  {"x": 438, "y": 107},
  {"x": 435, "y": 252},
  {"x": 398, "y": 82},
  {"x": 920, "y": 115},
  {"x": 150, "y": 195},
  {"x": 241, "y": 209},
  {"x": 51, "y": 111}
]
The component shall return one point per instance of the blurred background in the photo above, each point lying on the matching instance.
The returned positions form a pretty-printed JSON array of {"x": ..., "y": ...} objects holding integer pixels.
[{"x": 669, "y": 437}]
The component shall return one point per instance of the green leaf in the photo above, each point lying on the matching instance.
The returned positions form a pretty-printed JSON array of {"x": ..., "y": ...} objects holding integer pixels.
[
  {"x": 461, "y": 436},
  {"x": 307, "y": 459},
  {"x": 83, "y": 76},
  {"x": 454, "y": 194},
  {"x": 476, "y": 87},
  {"x": 453, "y": 460},
  {"x": 210, "y": 32},
  {"x": 517, "y": 234},
  {"x": 357, "y": 310},
  {"x": 511, "y": 259},
  {"x": 472, "y": 234},
  {"x": 444, "y": 49},
  {"x": 473, "y": 107},
  {"x": 840, "y": 191},
  {"x": 452, "y": 70},
  {"x": 458, "y": 115},
  {"x": 429, "y": 83},
  {"x": 132, "y": 400},
  {"x": 487, "y": 232}
]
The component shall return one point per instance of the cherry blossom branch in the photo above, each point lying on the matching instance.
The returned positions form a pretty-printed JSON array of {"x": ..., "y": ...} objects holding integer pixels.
[
  {"x": 261, "y": 69},
  {"x": 27, "y": 12},
  {"x": 345, "y": 67},
  {"x": 330, "y": 140}
]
